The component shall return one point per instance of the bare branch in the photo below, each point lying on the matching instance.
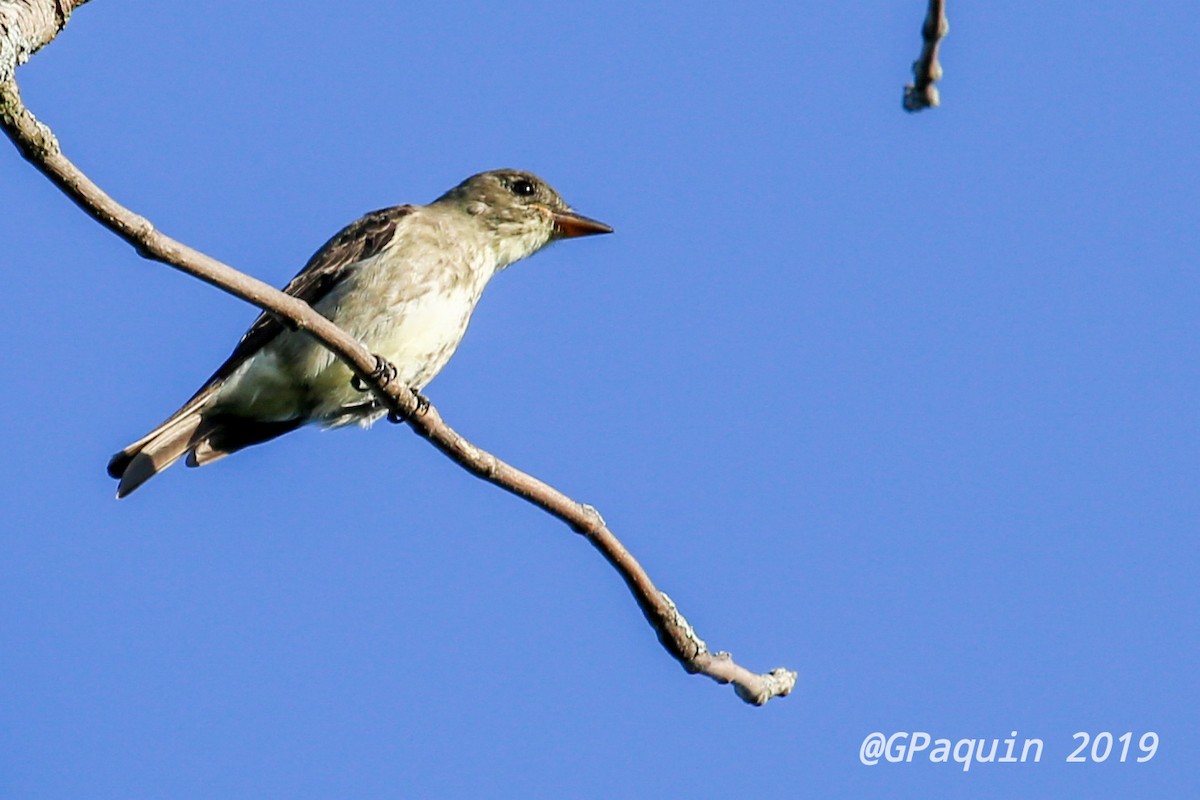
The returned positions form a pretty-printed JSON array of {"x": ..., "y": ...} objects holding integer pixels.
[
  {"x": 926, "y": 70},
  {"x": 26, "y": 26},
  {"x": 39, "y": 145}
]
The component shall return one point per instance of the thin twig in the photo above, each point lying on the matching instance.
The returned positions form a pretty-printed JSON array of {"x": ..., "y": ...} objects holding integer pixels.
[
  {"x": 39, "y": 145},
  {"x": 927, "y": 71}
]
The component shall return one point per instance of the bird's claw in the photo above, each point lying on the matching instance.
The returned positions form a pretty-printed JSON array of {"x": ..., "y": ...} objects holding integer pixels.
[
  {"x": 422, "y": 407},
  {"x": 422, "y": 403},
  {"x": 384, "y": 372}
]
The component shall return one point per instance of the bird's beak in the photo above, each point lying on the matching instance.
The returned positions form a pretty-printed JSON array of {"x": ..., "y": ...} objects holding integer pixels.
[{"x": 568, "y": 224}]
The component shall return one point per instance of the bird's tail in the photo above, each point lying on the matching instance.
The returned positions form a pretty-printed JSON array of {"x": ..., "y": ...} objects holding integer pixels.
[
  {"x": 161, "y": 447},
  {"x": 204, "y": 437}
]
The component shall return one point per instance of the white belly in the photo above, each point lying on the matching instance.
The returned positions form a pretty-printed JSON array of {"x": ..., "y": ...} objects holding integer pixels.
[{"x": 295, "y": 376}]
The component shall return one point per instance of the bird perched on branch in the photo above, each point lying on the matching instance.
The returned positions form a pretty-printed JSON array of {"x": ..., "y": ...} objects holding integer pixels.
[{"x": 403, "y": 281}]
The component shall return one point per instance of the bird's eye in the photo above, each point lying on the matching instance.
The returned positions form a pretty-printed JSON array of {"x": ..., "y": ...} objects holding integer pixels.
[{"x": 522, "y": 188}]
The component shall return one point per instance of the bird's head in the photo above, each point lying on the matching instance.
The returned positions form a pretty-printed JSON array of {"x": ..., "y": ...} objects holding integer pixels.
[{"x": 522, "y": 211}]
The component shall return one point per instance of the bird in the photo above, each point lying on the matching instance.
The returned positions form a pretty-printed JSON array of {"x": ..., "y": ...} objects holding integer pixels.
[{"x": 402, "y": 280}]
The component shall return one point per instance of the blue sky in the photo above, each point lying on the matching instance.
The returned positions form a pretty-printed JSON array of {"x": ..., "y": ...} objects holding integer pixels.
[{"x": 905, "y": 403}]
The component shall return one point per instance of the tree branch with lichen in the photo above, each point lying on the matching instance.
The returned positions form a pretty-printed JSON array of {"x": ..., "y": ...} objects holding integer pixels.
[
  {"x": 927, "y": 71},
  {"x": 41, "y": 148},
  {"x": 28, "y": 26}
]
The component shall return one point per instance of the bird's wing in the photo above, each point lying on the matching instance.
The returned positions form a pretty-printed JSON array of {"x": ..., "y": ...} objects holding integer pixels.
[
  {"x": 333, "y": 263},
  {"x": 329, "y": 266}
]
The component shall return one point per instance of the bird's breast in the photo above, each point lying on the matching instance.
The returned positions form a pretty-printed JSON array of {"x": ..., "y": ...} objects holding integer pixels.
[{"x": 417, "y": 335}]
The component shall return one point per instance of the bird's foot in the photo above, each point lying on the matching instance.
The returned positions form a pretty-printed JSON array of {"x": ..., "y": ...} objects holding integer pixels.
[
  {"x": 422, "y": 407},
  {"x": 422, "y": 403},
  {"x": 384, "y": 371}
]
